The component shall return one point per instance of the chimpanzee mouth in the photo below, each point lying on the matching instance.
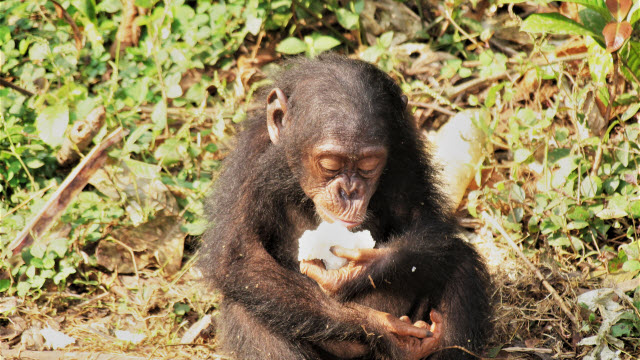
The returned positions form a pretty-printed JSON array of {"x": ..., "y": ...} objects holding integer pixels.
[{"x": 330, "y": 217}]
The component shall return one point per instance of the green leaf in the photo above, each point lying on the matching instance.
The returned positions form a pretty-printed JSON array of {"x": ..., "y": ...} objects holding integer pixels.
[
  {"x": 253, "y": 24},
  {"x": 634, "y": 13},
  {"x": 598, "y": 5},
  {"x": 34, "y": 163},
  {"x": 52, "y": 123},
  {"x": 521, "y": 155},
  {"x": 291, "y": 46},
  {"x": 86, "y": 7},
  {"x": 159, "y": 116},
  {"x": 181, "y": 309},
  {"x": 39, "y": 51},
  {"x": 172, "y": 82},
  {"x": 555, "y": 23},
  {"x": 631, "y": 54},
  {"x": 5, "y": 284},
  {"x": 517, "y": 194},
  {"x": 579, "y": 214},
  {"x": 59, "y": 246},
  {"x": 323, "y": 43},
  {"x": 577, "y": 225},
  {"x": 5, "y": 34},
  {"x": 590, "y": 186},
  {"x": 611, "y": 185},
  {"x": 386, "y": 39},
  {"x": 634, "y": 209},
  {"x": 347, "y": 19},
  {"x": 23, "y": 288},
  {"x": 592, "y": 19},
  {"x": 147, "y": 4},
  {"x": 622, "y": 153},
  {"x": 631, "y": 110},
  {"x": 608, "y": 214},
  {"x": 631, "y": 265}
]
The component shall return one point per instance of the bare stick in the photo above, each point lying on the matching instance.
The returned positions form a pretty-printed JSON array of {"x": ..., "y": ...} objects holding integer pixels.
[
  {"x": 535, "y": 270},
  {"x": 80, "y": 136},
  {"x": 17, "y": 88},
  {"x": 57, "y": 355},
  {"x": 68, "y": 190}
]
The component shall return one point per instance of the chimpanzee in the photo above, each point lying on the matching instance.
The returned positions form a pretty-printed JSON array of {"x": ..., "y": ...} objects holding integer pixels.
[{"x": 335, "y": 142}]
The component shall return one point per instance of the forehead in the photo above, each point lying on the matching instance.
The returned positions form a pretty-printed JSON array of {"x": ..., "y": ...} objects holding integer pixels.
[{"x": 353, "y": 149}]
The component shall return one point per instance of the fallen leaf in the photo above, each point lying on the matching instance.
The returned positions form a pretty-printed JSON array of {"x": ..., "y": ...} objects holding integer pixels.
[{"x": 615, "y": 34}]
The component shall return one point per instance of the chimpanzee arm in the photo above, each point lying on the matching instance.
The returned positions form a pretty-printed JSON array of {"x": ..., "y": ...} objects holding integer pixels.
[
  {"x": 293, "y": 305},
  {"x": 449, "y": 272},
  {"x": 415, "y": 260}
]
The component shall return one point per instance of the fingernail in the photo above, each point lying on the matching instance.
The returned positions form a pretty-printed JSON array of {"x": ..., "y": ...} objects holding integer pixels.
[{"x": 429, "y": 334}]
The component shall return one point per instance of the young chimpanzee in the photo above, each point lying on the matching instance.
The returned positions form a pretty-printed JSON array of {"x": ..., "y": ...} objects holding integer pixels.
[{"x": 336, "y": 143}]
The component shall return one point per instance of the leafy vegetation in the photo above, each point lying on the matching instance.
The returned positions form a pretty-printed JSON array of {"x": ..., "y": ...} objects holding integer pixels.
[{"x": 560, "y": 170}]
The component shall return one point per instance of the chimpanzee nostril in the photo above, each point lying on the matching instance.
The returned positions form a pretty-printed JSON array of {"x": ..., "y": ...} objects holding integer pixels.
[{"x": 344, "y": 194}]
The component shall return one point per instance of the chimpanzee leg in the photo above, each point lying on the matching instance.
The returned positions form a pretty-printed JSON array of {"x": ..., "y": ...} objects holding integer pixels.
[
  {"x": 243, "y": 338},
  {"x": 466, "y": 311}
]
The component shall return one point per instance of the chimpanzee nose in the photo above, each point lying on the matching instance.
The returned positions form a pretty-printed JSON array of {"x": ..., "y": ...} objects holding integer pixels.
[{"x": 348, "y": 191}]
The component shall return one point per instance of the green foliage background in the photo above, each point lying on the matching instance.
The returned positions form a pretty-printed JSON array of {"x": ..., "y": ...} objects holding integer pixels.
[{"x": 581, "y": 208}]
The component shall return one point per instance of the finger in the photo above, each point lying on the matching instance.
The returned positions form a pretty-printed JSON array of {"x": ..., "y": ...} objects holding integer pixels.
[
  {"x": 437, "y": 321},
  {"x": 401, "y": 328},
  {"x": 312, "y": 269},
  {"x": 410, "y": 330},
  {"x": 343, "y": 252},
  {"x": 355, "y": 254},
  {"x": 421, "y": 324},
  {"x": 405, "y": 319},
  {"x": 436, "y": 317}
]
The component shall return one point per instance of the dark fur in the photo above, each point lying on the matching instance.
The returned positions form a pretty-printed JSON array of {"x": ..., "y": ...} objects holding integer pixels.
[{"x": 269, "y": 309}]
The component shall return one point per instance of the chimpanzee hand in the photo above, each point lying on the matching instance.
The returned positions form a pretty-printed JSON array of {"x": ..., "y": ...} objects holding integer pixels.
[
  {"x": 414, "y": 340},
  {"x": 359, "y": 265},
  {"x": 419, "y": 348}
]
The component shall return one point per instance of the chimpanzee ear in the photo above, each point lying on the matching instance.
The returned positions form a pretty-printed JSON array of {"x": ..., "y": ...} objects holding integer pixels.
[
  {"x": 276, "y": 113},
  {"x": 405, "y": 100}
]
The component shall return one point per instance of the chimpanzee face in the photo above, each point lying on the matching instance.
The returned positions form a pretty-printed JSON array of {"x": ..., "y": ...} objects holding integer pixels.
[{"x": 341, "y": 178}]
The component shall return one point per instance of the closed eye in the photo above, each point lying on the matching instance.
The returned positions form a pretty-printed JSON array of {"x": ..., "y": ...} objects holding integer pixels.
[
  {"x": 330, "y": 165},
  {"x": 368, "y": 166}
]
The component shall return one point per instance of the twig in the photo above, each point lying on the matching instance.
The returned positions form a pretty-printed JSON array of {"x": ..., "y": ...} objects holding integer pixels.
[
  {"x": 461, "y": 30},
  {"x": 70, "y": 187},
  {"x": 435, "y": 107},
  {"x": 457, "y": 90},
  {"x": 535, "y": 270},
  {"x": 133, "y": 256},
  {"x": 80, "y": 136},
  {"x": 469, "y": 85},
  {"x": 527, "y": 350},
  {"x": 33, "y": 196},
  {"x": 77, "y": 35},
  {"x": 57, "y": 355},
  {"x": 17, "y": 88}
]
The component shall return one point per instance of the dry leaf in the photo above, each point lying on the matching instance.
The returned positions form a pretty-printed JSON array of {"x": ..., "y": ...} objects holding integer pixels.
[
  {"x": 615, "y": 34},
  {"x": 619, "y": 8}
]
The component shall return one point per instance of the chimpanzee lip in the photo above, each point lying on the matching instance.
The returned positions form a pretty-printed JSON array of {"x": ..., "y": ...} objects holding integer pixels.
[{"x": 346, "y": 223}]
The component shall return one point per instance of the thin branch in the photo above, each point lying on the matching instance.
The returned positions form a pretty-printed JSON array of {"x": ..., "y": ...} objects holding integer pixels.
[
  {"x": 22, "y": 91},
  {"x": 68, "y": 190},
  {"x": 535, "y": 270}
]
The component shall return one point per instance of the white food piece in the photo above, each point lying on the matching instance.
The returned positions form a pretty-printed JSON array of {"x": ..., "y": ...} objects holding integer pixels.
[{"x": 315, "y": 244}]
